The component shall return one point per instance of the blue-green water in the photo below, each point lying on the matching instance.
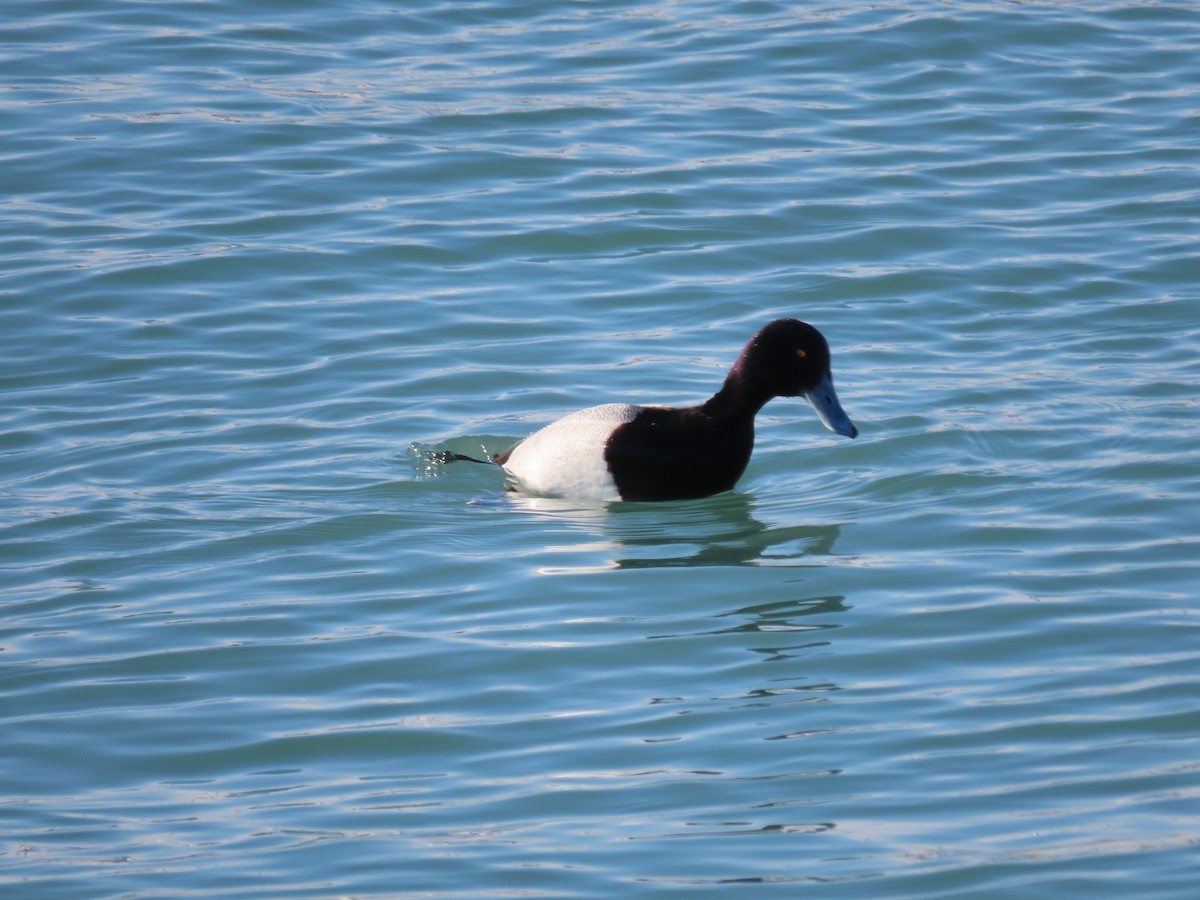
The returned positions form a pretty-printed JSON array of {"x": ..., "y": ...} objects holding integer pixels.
[{"x": 254, "y": 254}]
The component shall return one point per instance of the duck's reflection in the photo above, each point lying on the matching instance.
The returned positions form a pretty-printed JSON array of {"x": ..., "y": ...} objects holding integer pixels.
[
  {"x": 718, "y": 531},
  {"x": 792, "y": 625},
  {"x": 696, "y": 687}
]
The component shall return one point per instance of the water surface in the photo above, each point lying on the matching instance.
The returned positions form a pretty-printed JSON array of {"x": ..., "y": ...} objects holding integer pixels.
[{"x": 258, "y": 258}]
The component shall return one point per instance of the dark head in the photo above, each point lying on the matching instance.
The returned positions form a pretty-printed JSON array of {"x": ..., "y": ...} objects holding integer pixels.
[{"x": 790, "y": 358}]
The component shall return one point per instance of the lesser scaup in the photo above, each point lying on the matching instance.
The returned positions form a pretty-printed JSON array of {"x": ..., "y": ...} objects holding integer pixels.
[{"x": 624, "y": 452}]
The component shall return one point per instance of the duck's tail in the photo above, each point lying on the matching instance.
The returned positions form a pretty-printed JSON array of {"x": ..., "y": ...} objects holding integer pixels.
[{"x": 441, "y": 457}]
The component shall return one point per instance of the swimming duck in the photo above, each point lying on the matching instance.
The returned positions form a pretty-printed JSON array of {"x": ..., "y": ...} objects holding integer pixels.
[{"x": 620, "y": 451}]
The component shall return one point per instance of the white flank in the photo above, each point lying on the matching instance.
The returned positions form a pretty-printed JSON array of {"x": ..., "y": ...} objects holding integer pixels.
[{"x": 566, "y": 458}]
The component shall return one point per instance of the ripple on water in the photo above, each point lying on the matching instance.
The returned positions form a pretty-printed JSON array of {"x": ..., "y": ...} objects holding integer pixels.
[{"x": 254, "y": 646}]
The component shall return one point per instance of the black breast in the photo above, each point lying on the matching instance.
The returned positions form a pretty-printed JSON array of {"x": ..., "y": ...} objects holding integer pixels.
[{"x": 678, "y": 454}]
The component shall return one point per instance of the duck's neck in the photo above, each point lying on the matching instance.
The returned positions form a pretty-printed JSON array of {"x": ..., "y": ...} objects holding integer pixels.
[{"x": 737, "y": 398}]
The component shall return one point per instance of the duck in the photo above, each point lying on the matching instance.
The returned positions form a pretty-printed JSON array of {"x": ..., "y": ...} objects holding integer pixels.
[{"x": 623, "y": 451}]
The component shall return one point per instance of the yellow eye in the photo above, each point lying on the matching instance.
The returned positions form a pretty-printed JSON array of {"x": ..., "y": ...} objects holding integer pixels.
[{"x": 801, "y": 354}]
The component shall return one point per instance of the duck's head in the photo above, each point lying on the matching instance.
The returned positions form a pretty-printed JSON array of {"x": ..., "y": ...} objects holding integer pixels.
[{"x": 790, "y": 358}]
